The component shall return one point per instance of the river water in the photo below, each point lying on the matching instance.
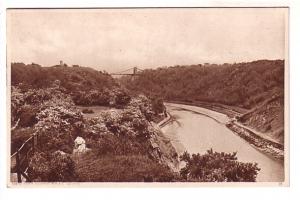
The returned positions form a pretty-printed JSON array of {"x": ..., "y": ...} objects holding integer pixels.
[{"x": 196, "y": 130}]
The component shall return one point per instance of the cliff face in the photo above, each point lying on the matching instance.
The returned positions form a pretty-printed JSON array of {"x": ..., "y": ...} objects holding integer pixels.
[
  {"x": 163, "y": 149},
  {"x": 268, "y": 119}
]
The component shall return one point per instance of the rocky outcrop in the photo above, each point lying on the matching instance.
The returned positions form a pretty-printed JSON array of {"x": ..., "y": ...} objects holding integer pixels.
[
  {"x": 163, "y": 150},
  {"x": 267, "y": 119},
  {"x": 276, "y": 150}
]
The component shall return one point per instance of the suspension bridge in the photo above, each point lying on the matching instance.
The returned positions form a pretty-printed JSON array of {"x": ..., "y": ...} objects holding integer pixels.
[{"x": 134, "y": 71}]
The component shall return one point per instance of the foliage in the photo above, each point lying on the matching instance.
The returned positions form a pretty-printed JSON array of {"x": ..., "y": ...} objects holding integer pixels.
[
  {"x": 120, "y": 145},
  {"x": 119, "y": 135},
  {"x": 92, "y": 97},
  {"x": 25, "y": 103},
  {"x": 27, "y": 115},
  {"x": 72, "y": 78},
  {"x": 217, "y": 167},
  {"x": 85, "y": 85},
  {"x": 125, "y": 168},
  {"x": 130, "y": 121},
  {"x": 17, "y": 100},
  {"x": 54, "y": 167},
  {"x": 115, "y": 98},
  {"x": 239, "y": 84},
  {"x": 124, "y": 145},
  {"x": 59, "y": 124},
  {"x": 158, "y": 105},
  {"x": 19, "y": 136},
  {"x": 122, "y": 98},
  {"x": 143, "y": 105},
  {"x": 48, "y": 111}
]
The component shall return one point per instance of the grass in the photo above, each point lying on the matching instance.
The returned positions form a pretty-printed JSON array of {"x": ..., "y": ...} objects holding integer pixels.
[{"x": 120, "y": 168}]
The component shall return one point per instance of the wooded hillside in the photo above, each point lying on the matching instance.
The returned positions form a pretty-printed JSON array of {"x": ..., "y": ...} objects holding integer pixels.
[
  {"x": 71, "y": 78},
  {"x": 241, "y": 84},
  {"x": 248, "y": 85}
]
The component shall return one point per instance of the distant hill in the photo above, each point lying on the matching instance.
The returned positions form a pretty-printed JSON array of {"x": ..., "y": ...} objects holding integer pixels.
[
  {"x": 242, "y": 84},
  {"x": 257, "y": 87},
  {"x": 72, "y": 78}
]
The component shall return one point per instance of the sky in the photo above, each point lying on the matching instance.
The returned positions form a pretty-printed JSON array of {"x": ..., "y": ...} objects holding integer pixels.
[{"x": 117, "y": 39}]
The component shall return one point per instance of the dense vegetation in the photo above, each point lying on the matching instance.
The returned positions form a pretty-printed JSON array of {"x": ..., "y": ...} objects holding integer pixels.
[
  {"x": 256, "y": 88},
  {"x": 217, "y": 167},
  {"x": 115, "y": 135},
  {"x": 120, "y": 144},
  {"x": 240, "y": 84},
  {"x": 74, "y": 78},
  {"x": 85, "y": 85}
]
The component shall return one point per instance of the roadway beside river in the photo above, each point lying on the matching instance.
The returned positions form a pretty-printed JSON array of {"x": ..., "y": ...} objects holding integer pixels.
[
  {"x": 195, "y": 130},
  {"x": 227, "y": 115}
]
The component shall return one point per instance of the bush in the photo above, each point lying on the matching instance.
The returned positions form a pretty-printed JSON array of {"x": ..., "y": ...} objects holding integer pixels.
[
  {"x": 56, "y": 167},
  {"x": 19, "y": 136},
  {"x": 58, "y": 126},
  {"x": 119, "y": 145},
  {"x": 217, "y": 167},
  {"x": 91, "y": 98},
  {"x": 143, "y": 104},
  {"x": 132, "y": 168},
  {"x": 27, "y": 115},
  {"x": 158, "y": 105},
  {"x": 122, "y": 99}
]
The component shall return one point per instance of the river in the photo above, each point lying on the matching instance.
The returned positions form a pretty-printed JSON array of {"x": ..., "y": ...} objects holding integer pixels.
[{"x": 196, "y": 130}]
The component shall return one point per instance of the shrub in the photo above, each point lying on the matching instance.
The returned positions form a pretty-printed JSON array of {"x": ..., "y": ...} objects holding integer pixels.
[
  {"x": 19, "y": 136},
  {"x": 129, "y": 168},
  {"x": 55, "y": 167},
  {"x": 122, "y": 99},
  {"x": 38, "y": 169},
  {"x": 58, "y": 125},
  {"x": 143, "y": 104},
  {"x": 92, "y": 97},
  {"x": 62, "y": 168},
  {"x": 120, "y": 145},
  {"x": 158, "y": 105},
  {"x": 217, "y": 167},
  {"x": 27, "y": 115}
]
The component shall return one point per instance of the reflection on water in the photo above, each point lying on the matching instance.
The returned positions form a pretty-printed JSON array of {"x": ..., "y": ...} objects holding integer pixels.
[{"x": 197, "y": 133}]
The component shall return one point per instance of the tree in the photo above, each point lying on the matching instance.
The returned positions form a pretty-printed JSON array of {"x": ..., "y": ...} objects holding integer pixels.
[
  {"x": 158, "y": 105},
  {"x": 122, "y": 98},
  {"x": 217, "y": 167}
]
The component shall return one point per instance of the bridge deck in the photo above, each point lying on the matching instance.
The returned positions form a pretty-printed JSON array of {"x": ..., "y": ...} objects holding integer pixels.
[{"x": 126, "y": 74}]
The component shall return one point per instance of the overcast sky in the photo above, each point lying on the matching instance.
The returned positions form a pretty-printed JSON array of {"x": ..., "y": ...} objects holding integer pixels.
[{"x": 117, "y": 39}]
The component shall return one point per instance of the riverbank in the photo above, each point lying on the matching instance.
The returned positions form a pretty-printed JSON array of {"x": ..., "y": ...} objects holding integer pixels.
[
  {"x": 263, "y": 144},
  {"x": 230, "y": 111},
  {"x": 273, "y": 149},
  {"x": 165, "y": 121}
]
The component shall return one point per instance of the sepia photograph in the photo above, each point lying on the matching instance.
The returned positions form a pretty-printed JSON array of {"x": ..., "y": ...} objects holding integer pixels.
[{"x": 148, "y": 95}]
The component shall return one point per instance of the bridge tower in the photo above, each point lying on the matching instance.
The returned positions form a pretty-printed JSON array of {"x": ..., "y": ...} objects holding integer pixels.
[{"x": 134, "y": 71}]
